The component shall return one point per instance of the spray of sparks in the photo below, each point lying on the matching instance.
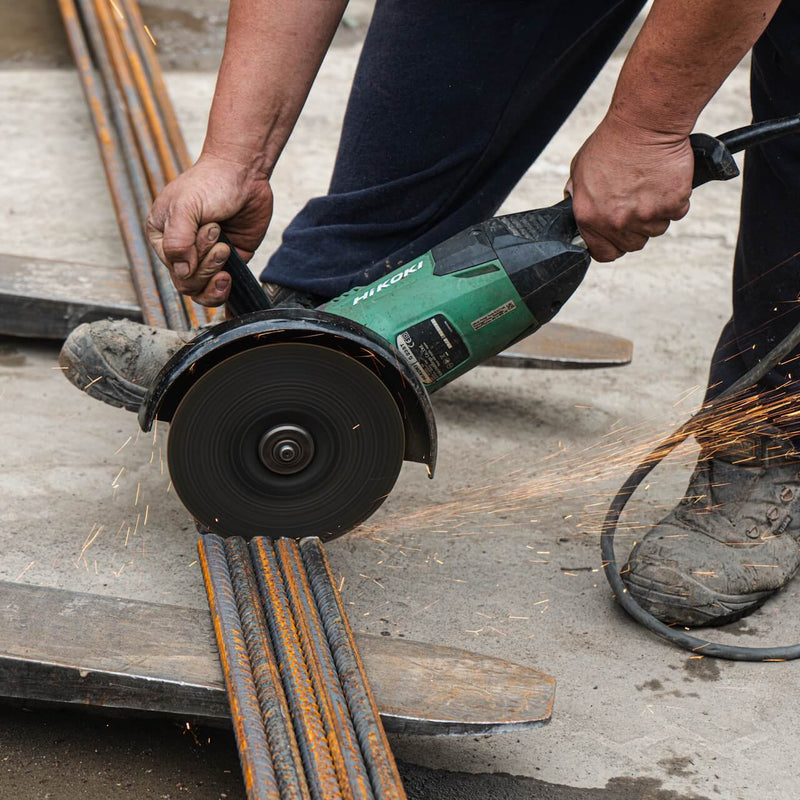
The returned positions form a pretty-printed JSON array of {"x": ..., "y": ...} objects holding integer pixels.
[{"x": 583, "y": 479}]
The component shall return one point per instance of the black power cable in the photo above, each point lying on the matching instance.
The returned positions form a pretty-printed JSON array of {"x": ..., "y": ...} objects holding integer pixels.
[{"x": 734, "y": 141}]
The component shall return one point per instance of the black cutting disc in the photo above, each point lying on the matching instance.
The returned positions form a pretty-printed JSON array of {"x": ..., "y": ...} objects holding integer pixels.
[{"x": 285, "y": 440}]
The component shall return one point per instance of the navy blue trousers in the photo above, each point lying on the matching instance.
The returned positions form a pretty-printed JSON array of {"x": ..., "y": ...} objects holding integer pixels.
[{"x": 451, "y": 104}]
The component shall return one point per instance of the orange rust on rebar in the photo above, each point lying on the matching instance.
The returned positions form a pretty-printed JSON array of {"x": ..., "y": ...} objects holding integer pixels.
[
  {"x": 259, "y": 777},
  {"x": 136, "y": 115},
  {"x": 148, "y": 52},
  {"x": 155, "y": 125},
  {"x": 383, "y": 770},
  {"x": 311, "y": 734},
  {"x": 168, "y": 162},
  {"x": 167, "y": 130},
  {"x": 347, "y": 756},
  {"x": 124, "y": 205},
  {"x": 275, "y": 711}
]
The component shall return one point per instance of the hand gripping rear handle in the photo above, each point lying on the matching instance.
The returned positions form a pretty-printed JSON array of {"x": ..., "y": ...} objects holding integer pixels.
[
  {"x": 713, "y": 155},
  {"x": 246, "y": 293}
]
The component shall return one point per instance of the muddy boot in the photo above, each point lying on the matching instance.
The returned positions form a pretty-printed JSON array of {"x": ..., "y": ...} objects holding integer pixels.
[
  {"x": 731, "y": 543},
  {"x": 116, "y": 361}
]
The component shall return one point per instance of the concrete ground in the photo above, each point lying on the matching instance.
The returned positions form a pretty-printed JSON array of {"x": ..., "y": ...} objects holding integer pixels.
[{"x": 499, "y": 554}]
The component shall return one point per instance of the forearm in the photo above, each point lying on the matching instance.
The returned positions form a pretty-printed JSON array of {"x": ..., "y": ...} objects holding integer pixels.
[
  {"x": 273, "y": 51},
  {"x": 682, "y": 55}
]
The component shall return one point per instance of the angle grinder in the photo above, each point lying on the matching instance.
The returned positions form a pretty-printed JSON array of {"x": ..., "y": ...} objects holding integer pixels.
[{"x": 295, "y": 422}]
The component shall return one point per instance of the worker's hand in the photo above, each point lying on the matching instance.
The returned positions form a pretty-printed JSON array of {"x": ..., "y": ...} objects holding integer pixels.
[
  {"x": 627, "y": 183},
  {"x": 184, "y": 224}
]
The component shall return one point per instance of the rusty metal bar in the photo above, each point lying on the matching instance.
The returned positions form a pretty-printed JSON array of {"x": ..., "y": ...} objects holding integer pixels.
[
  {"x": 144, "y": 154},
  {"x": 310, "y": 730},
  {"x": 137, "y": 71},
  {"x": 118, "y": 179},
  {"x": 160, "y": 113},
  {"x": 254, "y": 753},
  {"x": 156, "y": 79},
  {"x": 278, "y": 617},
  {"x": 167, "y": 296},
  {"x": 155, "y": 126},
  {"x": 286, "y": 758},
  {"x": 136, "y": 116},
  {"x": 347, "y": 757},
  {"x": 363, "y": 708},
  {"x": 151, "y": 130}
]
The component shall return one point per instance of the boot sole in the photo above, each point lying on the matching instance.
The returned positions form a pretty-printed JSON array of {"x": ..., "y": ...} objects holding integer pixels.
[{"x": 671, "y": 607}]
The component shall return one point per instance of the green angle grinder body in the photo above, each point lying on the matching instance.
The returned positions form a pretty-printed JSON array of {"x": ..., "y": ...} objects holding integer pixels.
[{"x": 294, "y": 422}]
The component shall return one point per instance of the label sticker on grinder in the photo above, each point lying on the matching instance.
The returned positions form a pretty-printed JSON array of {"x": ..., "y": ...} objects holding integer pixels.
[{"x": 432, "y": 348}]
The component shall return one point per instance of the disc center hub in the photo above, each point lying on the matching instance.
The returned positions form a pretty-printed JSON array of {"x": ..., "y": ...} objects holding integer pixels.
[{"x": 286, "y": 449}]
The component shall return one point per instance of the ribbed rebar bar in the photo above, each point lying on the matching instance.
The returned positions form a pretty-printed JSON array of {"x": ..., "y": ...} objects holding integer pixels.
[
  {"x": 380, "y": 763},
  {"x": 140, "y": 148},
  {"x": 345, "y": 749},
  {"x": 286, "y": 758},
  {"x": 278, "y": 614},
  {"x": 136, "y": 115},
  {"x": 254, "y": 754},
  {"x": 309, "y": 728},
  {"x": 153, "y": 69},
  {"x": 138, "y": 74},
  {"x": 122, "y": 194},
  {"x": 165, "y": 128}
]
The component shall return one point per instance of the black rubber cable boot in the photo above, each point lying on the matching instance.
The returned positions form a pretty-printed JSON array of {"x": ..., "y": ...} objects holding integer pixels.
[{"x": 731, "y": 542}]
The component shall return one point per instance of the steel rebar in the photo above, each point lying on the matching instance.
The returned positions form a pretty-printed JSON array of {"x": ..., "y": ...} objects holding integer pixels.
[
  {"x": 347, "y": 757},
  {"x": 118, "y": 179},
  {"x": 141, "y": 153},
  {"x": 286, "y": 758},
  {"x": 309, "y": 728},
  {"x": 254, "y": 754},
  {"x": 378, "y": 757}
]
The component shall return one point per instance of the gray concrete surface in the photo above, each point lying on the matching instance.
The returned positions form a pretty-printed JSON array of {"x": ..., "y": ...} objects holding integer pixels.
[{"x": 499, "y": 554}]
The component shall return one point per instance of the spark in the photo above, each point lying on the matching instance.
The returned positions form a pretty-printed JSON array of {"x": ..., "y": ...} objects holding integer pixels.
[
  {"x": 122, "y": 447},
  {"x": 89, "y": 541},
  {"x": 150, "y": 35},
  {"x": 33, "y": 563},
  {"x": 138, "y": 489},
  {"x": 116, "y": 8},
  {"x": 92, "y": 382}
]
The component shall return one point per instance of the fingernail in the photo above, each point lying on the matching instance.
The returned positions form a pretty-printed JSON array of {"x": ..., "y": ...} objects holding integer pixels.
[
  {"x": 213, "y": 233},
  {"x": 181, "y": 269},
  {"x": 221, "y": 284}
]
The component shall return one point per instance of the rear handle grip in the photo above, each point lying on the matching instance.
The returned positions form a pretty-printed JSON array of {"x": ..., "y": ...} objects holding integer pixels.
[
  {"x": 246, "y": 293},
  {"x": 713, "y": 161}
]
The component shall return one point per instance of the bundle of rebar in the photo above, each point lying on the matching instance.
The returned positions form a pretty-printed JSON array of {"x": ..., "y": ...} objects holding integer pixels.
[
  {"x": 305, "y": 719},
  {"x": 138, "y": 134}
]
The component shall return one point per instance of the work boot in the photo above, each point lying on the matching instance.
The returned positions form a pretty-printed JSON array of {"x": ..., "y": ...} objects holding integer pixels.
[
  {"x": 731, "y": 542},
  {"x": 117, "y": 361}
]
